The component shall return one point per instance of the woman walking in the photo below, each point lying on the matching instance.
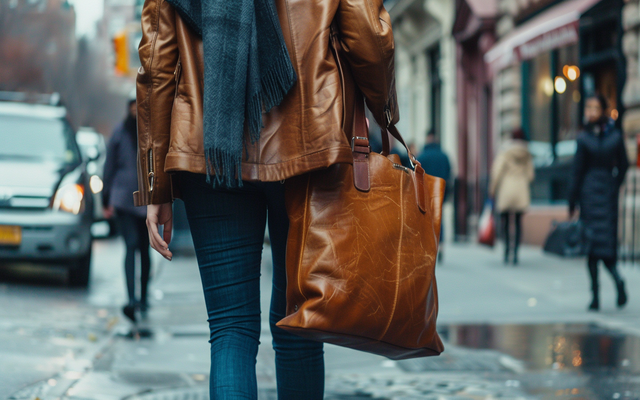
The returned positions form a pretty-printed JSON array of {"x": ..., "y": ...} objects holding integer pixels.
[
  {"x": 599, "y": 169},
  {"x": 234, "y": 98},
  {"x": 119, "y": 180},
  {"x": 511, "y": 175}
]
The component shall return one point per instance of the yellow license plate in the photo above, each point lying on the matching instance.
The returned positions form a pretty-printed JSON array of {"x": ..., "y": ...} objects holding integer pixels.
[{"x": 10, "y": 235}]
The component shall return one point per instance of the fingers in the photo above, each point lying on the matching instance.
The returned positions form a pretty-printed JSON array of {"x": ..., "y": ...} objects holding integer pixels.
[
  {"x": 168, "y": 227},
  {"x": 156, "y": 242}
]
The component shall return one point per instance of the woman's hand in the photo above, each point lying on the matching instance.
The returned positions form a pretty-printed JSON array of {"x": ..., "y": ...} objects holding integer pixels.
[
  {"x": 160, "y": 214},
  {"x": 109, "y": 212}
]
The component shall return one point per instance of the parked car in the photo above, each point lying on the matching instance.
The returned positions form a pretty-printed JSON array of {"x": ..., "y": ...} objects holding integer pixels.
[
  {"x": 45, "y": 213},
  {"x": 94, "y": 152}
]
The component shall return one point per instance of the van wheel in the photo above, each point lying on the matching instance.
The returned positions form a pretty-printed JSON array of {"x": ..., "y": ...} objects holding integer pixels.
[{"x": 80, "y": 271}]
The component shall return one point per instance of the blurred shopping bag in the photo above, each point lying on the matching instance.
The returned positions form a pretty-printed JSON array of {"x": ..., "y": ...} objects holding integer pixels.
[
  {"x": 568, "y": 239},
  {"x": 487, "y": 225}
]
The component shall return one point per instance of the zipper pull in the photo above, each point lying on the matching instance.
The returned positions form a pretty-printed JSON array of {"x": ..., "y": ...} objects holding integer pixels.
[{"x": 387, "y": 115}]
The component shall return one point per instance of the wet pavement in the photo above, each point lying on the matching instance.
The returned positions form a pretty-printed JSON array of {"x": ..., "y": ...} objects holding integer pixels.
[{"x": 511, "y": 333}]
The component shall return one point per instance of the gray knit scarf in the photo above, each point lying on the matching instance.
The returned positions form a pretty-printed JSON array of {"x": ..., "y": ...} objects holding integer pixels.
[{"x": 247, "y": 69}]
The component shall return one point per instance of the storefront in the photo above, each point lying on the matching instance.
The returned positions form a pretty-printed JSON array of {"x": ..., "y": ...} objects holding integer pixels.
[
  {"x": 543, "y": 70},
  {"x": 474, "y": 33}
]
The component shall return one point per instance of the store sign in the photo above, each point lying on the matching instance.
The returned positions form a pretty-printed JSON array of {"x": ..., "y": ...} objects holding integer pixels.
[{"x": 557, "y": 38}]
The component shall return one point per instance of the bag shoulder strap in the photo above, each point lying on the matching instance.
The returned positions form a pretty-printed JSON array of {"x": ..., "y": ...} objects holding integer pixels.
[{"x": 360, "y": 145}]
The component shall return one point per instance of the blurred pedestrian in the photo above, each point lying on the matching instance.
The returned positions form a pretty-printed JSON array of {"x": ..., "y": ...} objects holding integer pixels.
[
  {"x": 436, "y": 163},
  {"x": 120, "y": 180},
  {"x": 600, "y": 166},
  {"x": 200, "y": 137},
  {"x": 511, "y": 175}
]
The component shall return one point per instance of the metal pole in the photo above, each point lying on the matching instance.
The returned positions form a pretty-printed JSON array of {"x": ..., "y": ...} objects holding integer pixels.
[
  {"x": 623, "y": 240},
  {"x": 633, "y": 220}
]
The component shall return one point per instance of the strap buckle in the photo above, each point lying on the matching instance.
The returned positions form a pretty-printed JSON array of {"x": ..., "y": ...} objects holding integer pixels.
[{"x": 353, "y": 142}]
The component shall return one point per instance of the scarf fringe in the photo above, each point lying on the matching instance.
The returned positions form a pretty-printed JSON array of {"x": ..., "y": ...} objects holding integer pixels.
[
  {"x": 274, "y": 85},
  {"x": 225, "y": 168},
  {"x": 277, "y": 82}
]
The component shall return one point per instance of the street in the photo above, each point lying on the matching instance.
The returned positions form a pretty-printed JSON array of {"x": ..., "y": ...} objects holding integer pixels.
[{"x": 511, "y": 332}]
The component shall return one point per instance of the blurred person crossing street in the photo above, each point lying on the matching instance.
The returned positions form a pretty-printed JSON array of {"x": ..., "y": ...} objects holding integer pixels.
[
  {"x": 120, "y": 180},
  {"x": 511, "y": 175},
  {"x": 599, "y": 169},
  {"x": 436, "y": 163}
]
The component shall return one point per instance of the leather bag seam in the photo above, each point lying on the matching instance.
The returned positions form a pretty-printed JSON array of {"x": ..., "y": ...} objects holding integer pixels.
[
  {"x": 395, "y": 298},
  {"x": 304, "y": 240},
  {"x": 293, "y": 328}
]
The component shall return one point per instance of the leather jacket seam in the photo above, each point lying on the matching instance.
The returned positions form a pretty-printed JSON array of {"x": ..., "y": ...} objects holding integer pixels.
[
  {"x": 150, "y": 85},
  {"x": 382, "y": 55},
  {"x": 294, "y": 55}
]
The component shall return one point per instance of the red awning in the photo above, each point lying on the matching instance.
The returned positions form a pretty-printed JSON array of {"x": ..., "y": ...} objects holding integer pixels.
[{"x": 557, "y": 27}]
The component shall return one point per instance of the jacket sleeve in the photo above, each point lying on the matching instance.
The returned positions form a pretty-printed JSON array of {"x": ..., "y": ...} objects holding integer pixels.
[
  {"x": 110, "y": 166},
  {"x": 155, "y": 85},
  {"x": 623, "y": 162},
  {"x": 496, "y": 174},
  {"x": 367, "y": 40},
  {"x": 579, "y": 168}
]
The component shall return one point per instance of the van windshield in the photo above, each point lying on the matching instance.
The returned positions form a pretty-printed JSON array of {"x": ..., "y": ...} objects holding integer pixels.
[{"x": 39, "y": 138}]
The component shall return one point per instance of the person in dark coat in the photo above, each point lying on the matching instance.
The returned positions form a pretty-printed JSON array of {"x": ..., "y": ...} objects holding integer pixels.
[
  {"x": 120, "y": 180},
  {"x": 436, "y": 163},
  {"x": 599, "y": 169}
]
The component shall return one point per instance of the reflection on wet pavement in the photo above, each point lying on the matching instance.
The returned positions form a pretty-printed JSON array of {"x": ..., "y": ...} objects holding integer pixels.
[
  {"x": 585, "y": 347},
  {"x": 561, "y": 360}
]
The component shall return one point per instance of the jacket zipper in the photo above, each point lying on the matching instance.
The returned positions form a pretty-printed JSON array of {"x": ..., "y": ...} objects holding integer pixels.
[{"x": 150, "y": 167}]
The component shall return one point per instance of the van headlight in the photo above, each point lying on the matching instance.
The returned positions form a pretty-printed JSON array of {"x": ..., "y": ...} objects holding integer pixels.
[{"x": 69, "y": 198}]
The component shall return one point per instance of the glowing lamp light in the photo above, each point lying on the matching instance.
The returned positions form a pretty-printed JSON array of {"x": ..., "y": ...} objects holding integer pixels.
[
  {"x": 560, "y": 85},
  {"x": 69, "y": 198},
  {"x": 547, "y": 87},
  {"x": 571, "y": 72}
]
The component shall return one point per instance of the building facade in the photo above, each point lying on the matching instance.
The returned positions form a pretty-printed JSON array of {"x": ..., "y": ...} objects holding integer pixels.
[
  {"x": 474, "y": 34},
  {"x": 548, "y": 56},
  {"x": 426, "y": 75}
]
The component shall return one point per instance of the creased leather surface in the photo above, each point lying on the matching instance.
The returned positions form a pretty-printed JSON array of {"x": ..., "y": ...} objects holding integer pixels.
[
  {"x": 305, "y": 133},
  {"x": 361, "y": 265}
]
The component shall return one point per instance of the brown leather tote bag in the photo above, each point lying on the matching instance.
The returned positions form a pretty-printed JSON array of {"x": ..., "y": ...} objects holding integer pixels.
[{"x": 361, "y": 252}]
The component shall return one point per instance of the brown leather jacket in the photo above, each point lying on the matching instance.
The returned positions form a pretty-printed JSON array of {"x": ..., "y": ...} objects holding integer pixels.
[{"x": 308, "y": 131}]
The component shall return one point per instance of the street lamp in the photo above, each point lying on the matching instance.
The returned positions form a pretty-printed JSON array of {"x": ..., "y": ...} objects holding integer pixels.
[
  {"x": 560, "y": 85},
  {"x": 571, "y": 72}
]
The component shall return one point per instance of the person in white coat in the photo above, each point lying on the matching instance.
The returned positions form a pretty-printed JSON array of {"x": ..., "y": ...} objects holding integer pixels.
[{"x": 511, "y": 176}]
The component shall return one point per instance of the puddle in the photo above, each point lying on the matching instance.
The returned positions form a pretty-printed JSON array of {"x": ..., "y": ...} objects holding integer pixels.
[
  {"x": 573, "y": 347},
  {"x": 560, "y": 361}
]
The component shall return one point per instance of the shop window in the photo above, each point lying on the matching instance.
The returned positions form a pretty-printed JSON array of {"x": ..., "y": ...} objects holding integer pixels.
[
  {"x": 568, "y": 102},
  {"x": 551, "y": 106},
  {"x": 538, "y": 93}
]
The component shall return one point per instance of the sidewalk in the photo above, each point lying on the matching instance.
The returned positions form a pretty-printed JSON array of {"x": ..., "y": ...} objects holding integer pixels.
[{"x": 474, "y": 288}]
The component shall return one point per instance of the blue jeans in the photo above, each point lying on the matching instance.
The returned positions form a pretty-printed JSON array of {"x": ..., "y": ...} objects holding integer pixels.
[{"x": 228, "y": 227}]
